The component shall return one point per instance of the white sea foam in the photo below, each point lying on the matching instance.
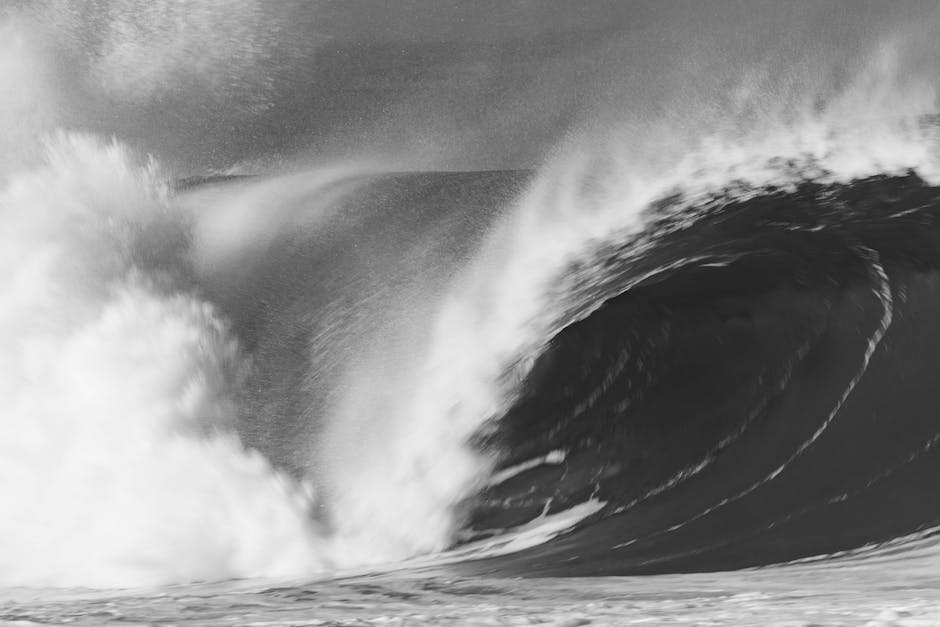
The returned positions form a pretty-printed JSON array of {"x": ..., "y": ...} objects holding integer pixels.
[{"x": 118, "y": 463}]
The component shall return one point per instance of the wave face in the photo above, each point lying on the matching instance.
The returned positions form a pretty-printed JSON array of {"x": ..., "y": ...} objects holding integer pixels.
[
  {"x": 761, "y": 392},
  {"x": 280, "y": 304}
]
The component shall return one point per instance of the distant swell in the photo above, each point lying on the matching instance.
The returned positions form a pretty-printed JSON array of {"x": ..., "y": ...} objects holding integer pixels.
[{"x": 764, "y": 390}]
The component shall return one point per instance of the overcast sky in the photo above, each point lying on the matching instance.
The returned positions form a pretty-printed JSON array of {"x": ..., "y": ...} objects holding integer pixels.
[{"x": 434, "y": 83}]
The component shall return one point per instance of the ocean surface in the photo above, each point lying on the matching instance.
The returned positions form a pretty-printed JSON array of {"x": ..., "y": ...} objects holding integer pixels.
[{"x": 342, "y": 315}]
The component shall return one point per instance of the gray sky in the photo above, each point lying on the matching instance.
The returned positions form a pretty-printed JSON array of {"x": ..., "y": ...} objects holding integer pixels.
[{"x": 439, "y": 83}]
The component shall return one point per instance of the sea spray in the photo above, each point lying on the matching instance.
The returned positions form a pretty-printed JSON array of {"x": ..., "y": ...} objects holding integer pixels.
[{"x": 119, "y": 465}]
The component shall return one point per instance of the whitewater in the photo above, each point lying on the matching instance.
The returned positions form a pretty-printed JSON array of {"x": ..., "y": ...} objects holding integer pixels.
[{"x": 269, "y": 351}]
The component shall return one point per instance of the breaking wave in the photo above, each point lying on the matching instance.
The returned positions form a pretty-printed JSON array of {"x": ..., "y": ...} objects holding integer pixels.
[{"x": 693, "y": 338}]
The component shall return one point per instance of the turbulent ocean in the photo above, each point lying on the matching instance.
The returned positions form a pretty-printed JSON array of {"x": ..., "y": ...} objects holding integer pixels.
[{"x": 452, "y": 313}]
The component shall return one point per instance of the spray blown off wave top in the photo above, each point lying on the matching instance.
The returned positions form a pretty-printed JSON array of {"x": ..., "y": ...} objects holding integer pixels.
[{"x": 598, "y": 299}]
